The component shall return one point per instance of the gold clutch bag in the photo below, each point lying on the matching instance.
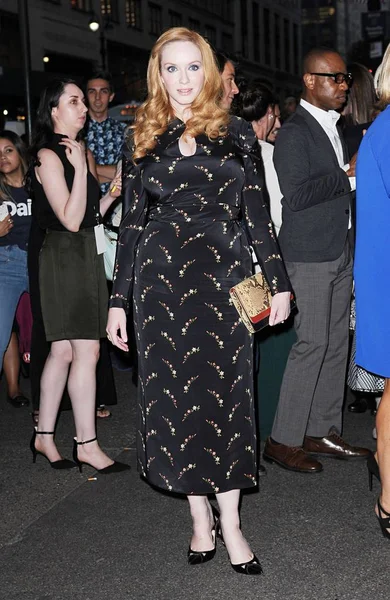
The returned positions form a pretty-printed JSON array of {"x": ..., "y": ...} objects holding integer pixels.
[{"x": 252, "y": 299}]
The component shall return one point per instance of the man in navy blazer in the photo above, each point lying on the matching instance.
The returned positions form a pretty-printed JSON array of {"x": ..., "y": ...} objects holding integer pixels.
[{"x": 316, "y": 180}]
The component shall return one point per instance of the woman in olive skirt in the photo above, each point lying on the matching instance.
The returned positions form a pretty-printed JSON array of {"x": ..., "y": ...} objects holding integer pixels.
[{"x": 71, "y": 272}]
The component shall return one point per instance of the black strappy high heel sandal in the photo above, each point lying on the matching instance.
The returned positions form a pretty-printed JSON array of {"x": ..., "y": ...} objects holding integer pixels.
[
  {"x": 251, "y": 567},
  {"x": 63, "y": 463},
  {"x": 384, "y": 522},
  {"x": 116, "y": 466},
  {"x": 198, "y": 557},
  {"x": 373, "y": 470}
]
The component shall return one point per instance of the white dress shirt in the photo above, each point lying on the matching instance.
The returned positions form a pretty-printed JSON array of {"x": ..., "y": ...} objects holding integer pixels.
[
  {"x": 328, "y": 120},
  {"x": 274, "y": 193},
  {"x": 272, "y": 183}
]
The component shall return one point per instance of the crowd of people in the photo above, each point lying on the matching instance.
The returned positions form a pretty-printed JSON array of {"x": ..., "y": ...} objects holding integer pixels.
[{"x": 204, "y": 198}]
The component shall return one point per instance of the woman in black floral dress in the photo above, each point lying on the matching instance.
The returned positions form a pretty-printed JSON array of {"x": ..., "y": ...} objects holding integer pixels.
[{"x": 193, "y": 205}]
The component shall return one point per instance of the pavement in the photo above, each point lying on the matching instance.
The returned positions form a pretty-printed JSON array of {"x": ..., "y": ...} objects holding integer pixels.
[{"x": 66, "y": 537}]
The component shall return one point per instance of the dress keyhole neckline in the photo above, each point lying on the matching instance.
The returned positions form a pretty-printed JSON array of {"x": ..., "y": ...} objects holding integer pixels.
[{"x": 181, "y": 150}]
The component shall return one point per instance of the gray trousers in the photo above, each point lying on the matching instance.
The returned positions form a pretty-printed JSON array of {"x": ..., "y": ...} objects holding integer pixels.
[{"x": 312, "y": 392}]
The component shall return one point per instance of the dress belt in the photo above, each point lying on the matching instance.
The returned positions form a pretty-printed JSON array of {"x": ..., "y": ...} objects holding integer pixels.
[{"x": 194, "y": 214}]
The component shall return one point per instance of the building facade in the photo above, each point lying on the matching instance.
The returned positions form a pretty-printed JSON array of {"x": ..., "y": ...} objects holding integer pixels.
[
  {"x": 268, "y": 42},
  {"x": 336, "y": 24},
  {"x": 263, "y": 35}
]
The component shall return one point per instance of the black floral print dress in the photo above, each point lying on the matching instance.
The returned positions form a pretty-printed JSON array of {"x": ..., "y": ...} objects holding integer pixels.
[{"x": 184, "y": 242}]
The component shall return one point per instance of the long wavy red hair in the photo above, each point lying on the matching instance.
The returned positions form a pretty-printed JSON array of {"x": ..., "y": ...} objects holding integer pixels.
[{"x": 156, "y": 112}]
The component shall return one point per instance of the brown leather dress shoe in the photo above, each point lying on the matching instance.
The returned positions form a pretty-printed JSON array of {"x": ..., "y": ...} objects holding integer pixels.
[
  {"x": 333, "y": 446},
  {"x": 291, "y": 458}
]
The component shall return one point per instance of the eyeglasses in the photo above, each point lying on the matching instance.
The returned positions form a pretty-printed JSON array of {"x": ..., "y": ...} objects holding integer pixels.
[{"x": 337, "y": 77}]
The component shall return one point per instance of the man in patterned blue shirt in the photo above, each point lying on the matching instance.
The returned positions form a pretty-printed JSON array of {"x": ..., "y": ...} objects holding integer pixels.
[{"x": 105, "y": 135}]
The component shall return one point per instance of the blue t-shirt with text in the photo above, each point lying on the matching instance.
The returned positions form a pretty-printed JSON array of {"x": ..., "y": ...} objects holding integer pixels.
[{"x": 19, "y": 208}]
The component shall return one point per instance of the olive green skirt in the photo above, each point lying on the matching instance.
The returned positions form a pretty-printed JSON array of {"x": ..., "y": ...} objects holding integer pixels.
[{"x": 73, "y": 286}]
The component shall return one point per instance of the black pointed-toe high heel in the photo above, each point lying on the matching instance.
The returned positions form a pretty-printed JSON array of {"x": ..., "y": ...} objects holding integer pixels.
[
  {"x": 251, "y": 567},
  {"x": 63, "y": 463},
  {"x": 384, "y": 522},
  {"x": 198, "y": 557},
  {"x": 116, "y": 466},
  {"x": 373, "y": 470}
]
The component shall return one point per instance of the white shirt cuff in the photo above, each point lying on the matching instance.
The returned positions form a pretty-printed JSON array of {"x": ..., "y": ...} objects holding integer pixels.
[{"x": 352, "y": 180}]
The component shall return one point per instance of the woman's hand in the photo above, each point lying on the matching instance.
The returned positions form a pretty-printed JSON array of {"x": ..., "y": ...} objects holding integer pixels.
[
  {"x": 117, "y": 321},
  {"x": 6, "y": 226},
  {"x": 116, "y": 184},
  {"x": 75, "y": 153},
  {"x": 280, "y": 308}
]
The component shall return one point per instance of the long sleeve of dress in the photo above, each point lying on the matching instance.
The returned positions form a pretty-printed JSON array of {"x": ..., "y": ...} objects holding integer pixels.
[
  {"x": 134, "y": 215},
  {"x": 256, "y": 214}
]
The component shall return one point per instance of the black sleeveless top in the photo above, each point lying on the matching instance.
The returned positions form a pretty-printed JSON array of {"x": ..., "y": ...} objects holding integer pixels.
[{"x": 44, "y": 213}]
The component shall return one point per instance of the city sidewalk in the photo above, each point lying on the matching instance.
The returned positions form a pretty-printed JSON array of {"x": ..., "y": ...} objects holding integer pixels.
[{"x": 64, "y": 537}]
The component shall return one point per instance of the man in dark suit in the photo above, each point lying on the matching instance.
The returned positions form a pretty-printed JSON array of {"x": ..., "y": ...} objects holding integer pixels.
[{"x": 316, "y": 180}]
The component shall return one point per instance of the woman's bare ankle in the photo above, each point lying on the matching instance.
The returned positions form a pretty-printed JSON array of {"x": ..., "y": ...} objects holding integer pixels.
[
  {"x": 92, "y": 453},
  {"x": 46, "y": 445}
]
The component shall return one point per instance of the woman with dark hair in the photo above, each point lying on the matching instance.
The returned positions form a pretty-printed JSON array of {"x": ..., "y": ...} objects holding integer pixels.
[
  {"x": 40, "y": 347},
  {"x": 228, "y": 74},
  {"x": 72, "y": 283},
  {"x": 271, "y": 138},
  {"x": 258, "y": 105},
  {"x": 15, "y": 220},
  {"x": 359, "y": 111}
]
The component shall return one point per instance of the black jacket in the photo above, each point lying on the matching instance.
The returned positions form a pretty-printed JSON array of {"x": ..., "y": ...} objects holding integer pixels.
[{"x": 316, "y": 191}]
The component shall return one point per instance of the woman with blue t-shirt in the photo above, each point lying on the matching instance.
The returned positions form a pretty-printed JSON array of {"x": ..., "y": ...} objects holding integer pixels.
[{"x": 15, "y": 221}]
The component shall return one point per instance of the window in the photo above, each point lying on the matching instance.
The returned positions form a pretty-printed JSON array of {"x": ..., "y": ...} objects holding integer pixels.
[
  {"x": 10, "y": 47},
  {"x": 287, "y": 61},
  {"x": 277, "y": 41},
  {"x": 155, "y": 19},
  {"x": 84, "y": 5},
  {"x": 267, "y": 37},
  {"x": 227, "y": 42},
  {"x": 71, "y": 66},
  {"x": 109, "y": 10},
  {"x": 244, "y": 34},
  {"x": 133, "y": 14},
  {"x": 210, "y": 34},
  {"x": 227, "y": 10},
  {"x": 296, "y": 48},
  {"x": 221, "y": 8},
  {"x": 256, "y": 31},
  {"x": 175, "y": 18},
  {"x": 194, "y": 24},
  {"x": 128, "y": 70}
]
